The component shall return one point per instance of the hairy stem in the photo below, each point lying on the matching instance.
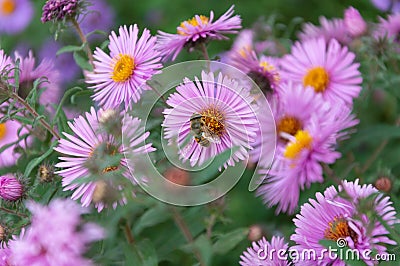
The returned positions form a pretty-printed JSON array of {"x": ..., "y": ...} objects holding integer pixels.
[
  {"x": 128, "y": 234},
  {"x": 204, "y": 51},
  {"x": 33, "y": 112},
  {"x": 13, "y": 212},
  {"x": 84, "y": 41},
  {"x": 186, "y": 232}
]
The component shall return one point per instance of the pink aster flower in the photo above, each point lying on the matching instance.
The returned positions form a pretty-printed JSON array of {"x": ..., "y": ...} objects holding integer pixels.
[
  {"x": 196, "y": 30},
  {"x": 121, "y": 76},
  {"x": 56, "y": 236},
  {"x": 29, "y": 72},
  {"x": 88, "y": 143},
  {"x": 389, "y": 28},
  {"x": 9, "y": 136},
  {"x": 222, "y": 114},
  {"x": 329, "y": 29},
  {"x": 345, "y": 215},
  {"x": 264, "y": 253},
  {"x": 355, "y": 24},
  {"x": 387, "y": 5},
  {"x": 299, "y": 154},
  {"x": 15, "y": 15},
  {"x": 6, "y": 66},
  {"x": 11, "y": 188},
  {"x": 328, "y": 68}
]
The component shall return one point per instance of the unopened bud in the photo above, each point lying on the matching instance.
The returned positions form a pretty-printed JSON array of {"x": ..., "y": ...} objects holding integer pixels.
[
  {"x": 255, "y": 232},
  {"x": 355, "y": 24},
  {"x": 104, "y": 193},
  {"x": 383, "y": 184},
  {"x": 111, "y": 122},
  {"x": 11, "y": 188},
  {"x": 46, "y": 173},
  {"x": 177, "y": 176},
  {"x": 2, "y": 233}
]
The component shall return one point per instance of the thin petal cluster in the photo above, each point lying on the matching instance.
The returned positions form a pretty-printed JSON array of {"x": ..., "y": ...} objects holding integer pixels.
[
  {"x": 196, "y": 30},
  {"x": 264, "y": 253},
  {"x": 216, "y": 113},
  {"x": 326, "y": 67},
  {"x": 120, "y": 77},
  {"x": 345, "y": 214},
  {"x": 86, "y": 145},
  {"x": 56, "y": 236}
]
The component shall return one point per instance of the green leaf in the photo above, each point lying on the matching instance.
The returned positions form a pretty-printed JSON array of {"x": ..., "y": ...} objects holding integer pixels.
[
  {"x": 375, "y": 132},
  {"x": 202, "y": 246},
  {"x": 82, "y": 61},
  {"x": 66, "y": 95},
  {"x": 142, "y": 253},
  {"x": 151, "y": 217},
  {"x": 99, "y": 32},
  {"x": 228, "y": 241},
  {"x": 70, "y": 49},
  {"x": 32, "y": 164}
]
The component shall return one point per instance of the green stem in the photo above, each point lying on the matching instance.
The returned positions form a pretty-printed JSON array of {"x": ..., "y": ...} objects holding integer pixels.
[
  {"x": 33, "y": 112},
  {"x": 180, "y": 222},
  {"x": 84, "y": 41},
  {"x": 13, "y": 212}
]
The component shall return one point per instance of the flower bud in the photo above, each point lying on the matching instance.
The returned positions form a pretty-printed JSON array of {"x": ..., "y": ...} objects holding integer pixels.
[
  {"x": 103, "y": 192},
  {"x": 255, "y": 232},
  {"x": 355, "y": 24},
  {"x": 58, "y": 10},
  {"x": 46, "y": 173},
  {"x": 177, "y": 176},
  {"x": 383, "y": 184},
  {"x": 2, "y": 233},
  {"x": 11, "y": 188}
]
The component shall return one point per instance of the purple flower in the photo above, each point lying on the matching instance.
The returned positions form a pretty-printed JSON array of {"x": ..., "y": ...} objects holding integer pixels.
[
  {"x": 11, "y": 188},
  {"x": 355, "y": 24},
  {"x": 63, "y": 63},
  {"x": 223, "y": 109},
  {"x": 328, "y": 68},
  {"x": 57, "y": 10},
  {"x": 15, "y": 15},
  {"x": 329, "y": 29},
  {"x": 307, "y": 133},
  {"x": 195, "y": 30},
  {"x": 87, "y": 144},
  {"x": 56, "y": 236},
  {"x": 121, "y": 76},
  {"x": 389, "y": 28},
  {"x": 99, "y": 16},
  {"x": 264, "y": 253},
  {"x": 9, "y": 135},
  {"x": 387, "y": 5},
  {"x": 345, "y": 216},
  {"x": 29, "y": 72}
]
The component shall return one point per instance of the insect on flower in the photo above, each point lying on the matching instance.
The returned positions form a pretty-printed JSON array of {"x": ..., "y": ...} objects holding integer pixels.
[{"x": 202, "y": 133}]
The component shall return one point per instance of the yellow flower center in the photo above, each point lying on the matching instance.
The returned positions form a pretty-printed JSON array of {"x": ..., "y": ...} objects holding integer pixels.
[
  {"x": 3, "y": 131},
  {"x": 289, "y": 124},
  {"x": 123, "y": 68},
  {"x": 193, "y": 22},
  {"x": 102, "y": 150},
  {"x": 303, "y": 141},
  {"x": 214, "y": 121},
  {"x": 317, "y": 78},
  {"x": 339, "y": 228},
  {"x": 245, "y": 50},
  {"x": 8, "y": 7},
  {"x": 267, "y": 67}
]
